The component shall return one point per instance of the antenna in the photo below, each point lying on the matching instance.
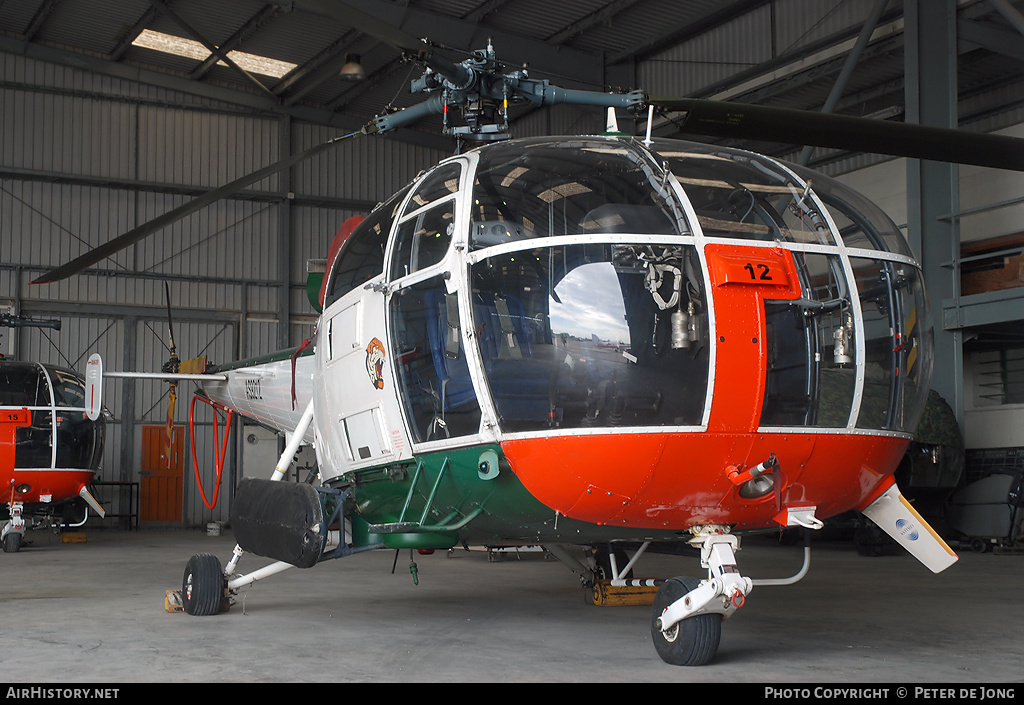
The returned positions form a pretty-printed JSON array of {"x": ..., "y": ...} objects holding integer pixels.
[
  {"x": 650, "y": 119},
  {"x": 611, "y": 124}
]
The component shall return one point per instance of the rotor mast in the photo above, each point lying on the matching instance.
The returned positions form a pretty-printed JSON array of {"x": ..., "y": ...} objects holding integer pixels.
[{"x": 478, "y": 88}]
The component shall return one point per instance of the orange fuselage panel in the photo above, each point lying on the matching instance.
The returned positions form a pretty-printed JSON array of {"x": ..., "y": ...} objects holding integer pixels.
[
  {"x": 45, "y": 484},
  {"x": 676, "y": 480}
]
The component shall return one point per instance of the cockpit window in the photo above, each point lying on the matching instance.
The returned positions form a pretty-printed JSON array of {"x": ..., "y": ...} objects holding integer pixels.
[
  {"x": 428, "y": 223},
  {"x": 861, "y": 223},
  {"x": 23, "y": 385},
  {"x": 431, "y": 363},
  {"x": 811, "y": 349},
  {"x": 595, "y": 335},
  {"x": 68, "y": 388},
  {"x": 569, "y": 188},
  {"x": 362, "y": 256},
  {"x": 897, "y": 352},
  {"x": 742, "y": 195}
]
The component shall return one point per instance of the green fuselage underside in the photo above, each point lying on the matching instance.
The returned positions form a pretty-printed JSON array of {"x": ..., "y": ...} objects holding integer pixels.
[{"x": 444, "y": 499}]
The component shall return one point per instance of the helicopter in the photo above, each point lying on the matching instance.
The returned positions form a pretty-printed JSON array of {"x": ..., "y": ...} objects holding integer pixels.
[
  {"x": 49, "y": 449},
  {"x": 589, "y": 341}
]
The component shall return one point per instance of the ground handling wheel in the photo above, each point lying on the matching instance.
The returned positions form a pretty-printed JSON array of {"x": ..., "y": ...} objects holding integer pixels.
[
  {"x": 694, "y": 640},
  {"x": 203, "y": 585}
]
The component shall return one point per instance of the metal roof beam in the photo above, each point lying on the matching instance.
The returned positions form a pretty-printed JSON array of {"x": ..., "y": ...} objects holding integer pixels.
[
  {"x": 541, "y": 56},
  {"x": 132, "y": 34},
  {"x": 342, "y": 100},
  {"x": 331, "y": 52},
  {"x": 848, "y": 66},
  {"x": 1009, "y": 13},
  {"x": 996, "y": 40},
  {"x": 38, "y": 19},
  {"x": 210, "y": 46},
  {"x": 485, "y": 9},
  {"x": 85, "y": 62},
  {"x": 686, "y": 29},
  {"x": 265, "y": 15},
  {"x": 596, "y": 18}
]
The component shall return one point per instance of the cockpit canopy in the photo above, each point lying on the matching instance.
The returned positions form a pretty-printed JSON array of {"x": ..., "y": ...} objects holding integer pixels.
[
  {"x": 55, "y": 399},
  {"x": 574, "y": 273}
]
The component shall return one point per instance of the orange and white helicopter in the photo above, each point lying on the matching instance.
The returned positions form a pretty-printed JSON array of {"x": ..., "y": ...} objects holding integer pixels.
[
  {"x": 771, "y": 362},
  {"x": 49, "y": 449}
]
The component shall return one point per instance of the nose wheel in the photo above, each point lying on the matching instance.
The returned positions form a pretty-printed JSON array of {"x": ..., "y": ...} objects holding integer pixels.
[
  {"x": 14, "y": 529},
  {"x": 690, "y": 642},
  {"x": 686, "y": 617},
  {"x": 12, "y": 542}
]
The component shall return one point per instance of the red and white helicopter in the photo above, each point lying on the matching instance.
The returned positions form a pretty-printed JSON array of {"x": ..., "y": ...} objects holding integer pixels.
[
  {"x": 49, "y": 449},
  {"x": 772, "y": 356}
]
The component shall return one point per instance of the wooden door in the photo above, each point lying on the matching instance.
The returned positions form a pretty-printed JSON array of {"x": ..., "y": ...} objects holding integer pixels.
[{"x": 160, "y": 496}]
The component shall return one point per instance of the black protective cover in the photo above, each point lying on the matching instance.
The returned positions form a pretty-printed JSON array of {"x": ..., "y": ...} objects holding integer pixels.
[{"x": 279, "y": 520}]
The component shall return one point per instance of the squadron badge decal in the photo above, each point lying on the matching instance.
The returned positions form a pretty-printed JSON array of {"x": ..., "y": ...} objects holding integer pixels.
[{"x": 375, "y": 363}]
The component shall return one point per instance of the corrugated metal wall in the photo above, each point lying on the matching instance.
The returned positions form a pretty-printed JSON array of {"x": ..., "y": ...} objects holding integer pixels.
[
  {"x": 85, "y": 158},
  {"x": 757, "y": 36}
]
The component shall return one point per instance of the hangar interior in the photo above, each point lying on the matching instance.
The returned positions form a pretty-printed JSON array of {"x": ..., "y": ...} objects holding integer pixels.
[{"x": 113, "y": 112}]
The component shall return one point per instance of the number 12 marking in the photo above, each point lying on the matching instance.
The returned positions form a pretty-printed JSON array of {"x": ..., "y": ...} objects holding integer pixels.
[{"x": 763, "y": 268}]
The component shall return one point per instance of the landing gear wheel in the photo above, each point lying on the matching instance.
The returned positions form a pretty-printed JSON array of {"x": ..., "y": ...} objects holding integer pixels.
[
  {"x": 12, "y": 542},
  {"x": 694, "y": 640},
  {"x": 603, "y": 553},
  {"x": 202, "y": 587},
  {"x": 979, "y": 545}
]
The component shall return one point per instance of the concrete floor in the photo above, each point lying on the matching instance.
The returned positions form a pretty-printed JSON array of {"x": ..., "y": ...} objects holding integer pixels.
[{"x": 93, "y": 612}]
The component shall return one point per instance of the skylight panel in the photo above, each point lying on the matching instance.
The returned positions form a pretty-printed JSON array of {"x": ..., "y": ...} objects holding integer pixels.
[{"x": 191, "y": 49}]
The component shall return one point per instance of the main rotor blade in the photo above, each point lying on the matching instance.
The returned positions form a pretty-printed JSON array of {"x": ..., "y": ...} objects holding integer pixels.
[
  {"x": 789, "y": 126},
  {"x": 132, "y": 236}
]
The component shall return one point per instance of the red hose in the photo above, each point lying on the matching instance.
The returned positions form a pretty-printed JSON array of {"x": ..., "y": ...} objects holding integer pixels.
[{"x": 219, "y": 452}]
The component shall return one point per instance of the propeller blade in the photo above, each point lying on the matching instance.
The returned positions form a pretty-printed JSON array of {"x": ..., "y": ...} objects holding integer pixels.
[
  {"x": 170, "y": 322},
  {"x": 171, "y": 366},
  {"x": 169, "y": 425},
  {"x": 786, "y": 125},
  {"x": 132, "y": 236}
]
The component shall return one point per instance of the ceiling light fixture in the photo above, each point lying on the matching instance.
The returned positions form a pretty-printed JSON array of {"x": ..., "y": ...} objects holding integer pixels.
[{"x": 352, "y": 70}]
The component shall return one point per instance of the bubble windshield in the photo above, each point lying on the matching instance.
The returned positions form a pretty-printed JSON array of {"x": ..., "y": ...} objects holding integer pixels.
[{"x": 591, "y": 304}]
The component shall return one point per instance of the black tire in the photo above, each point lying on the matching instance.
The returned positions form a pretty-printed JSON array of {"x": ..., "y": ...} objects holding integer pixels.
[
  {"x": 12, "y": 542},
  {"x": 602, "y": 554},
  {"x": 202, "y": 587},
  {"x": 693, "y": 641}
]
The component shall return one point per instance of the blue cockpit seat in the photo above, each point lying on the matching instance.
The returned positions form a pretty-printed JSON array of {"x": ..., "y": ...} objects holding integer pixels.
[
  {"x": 520, "y": 383},
  {"x": 446, "y": 351}
]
